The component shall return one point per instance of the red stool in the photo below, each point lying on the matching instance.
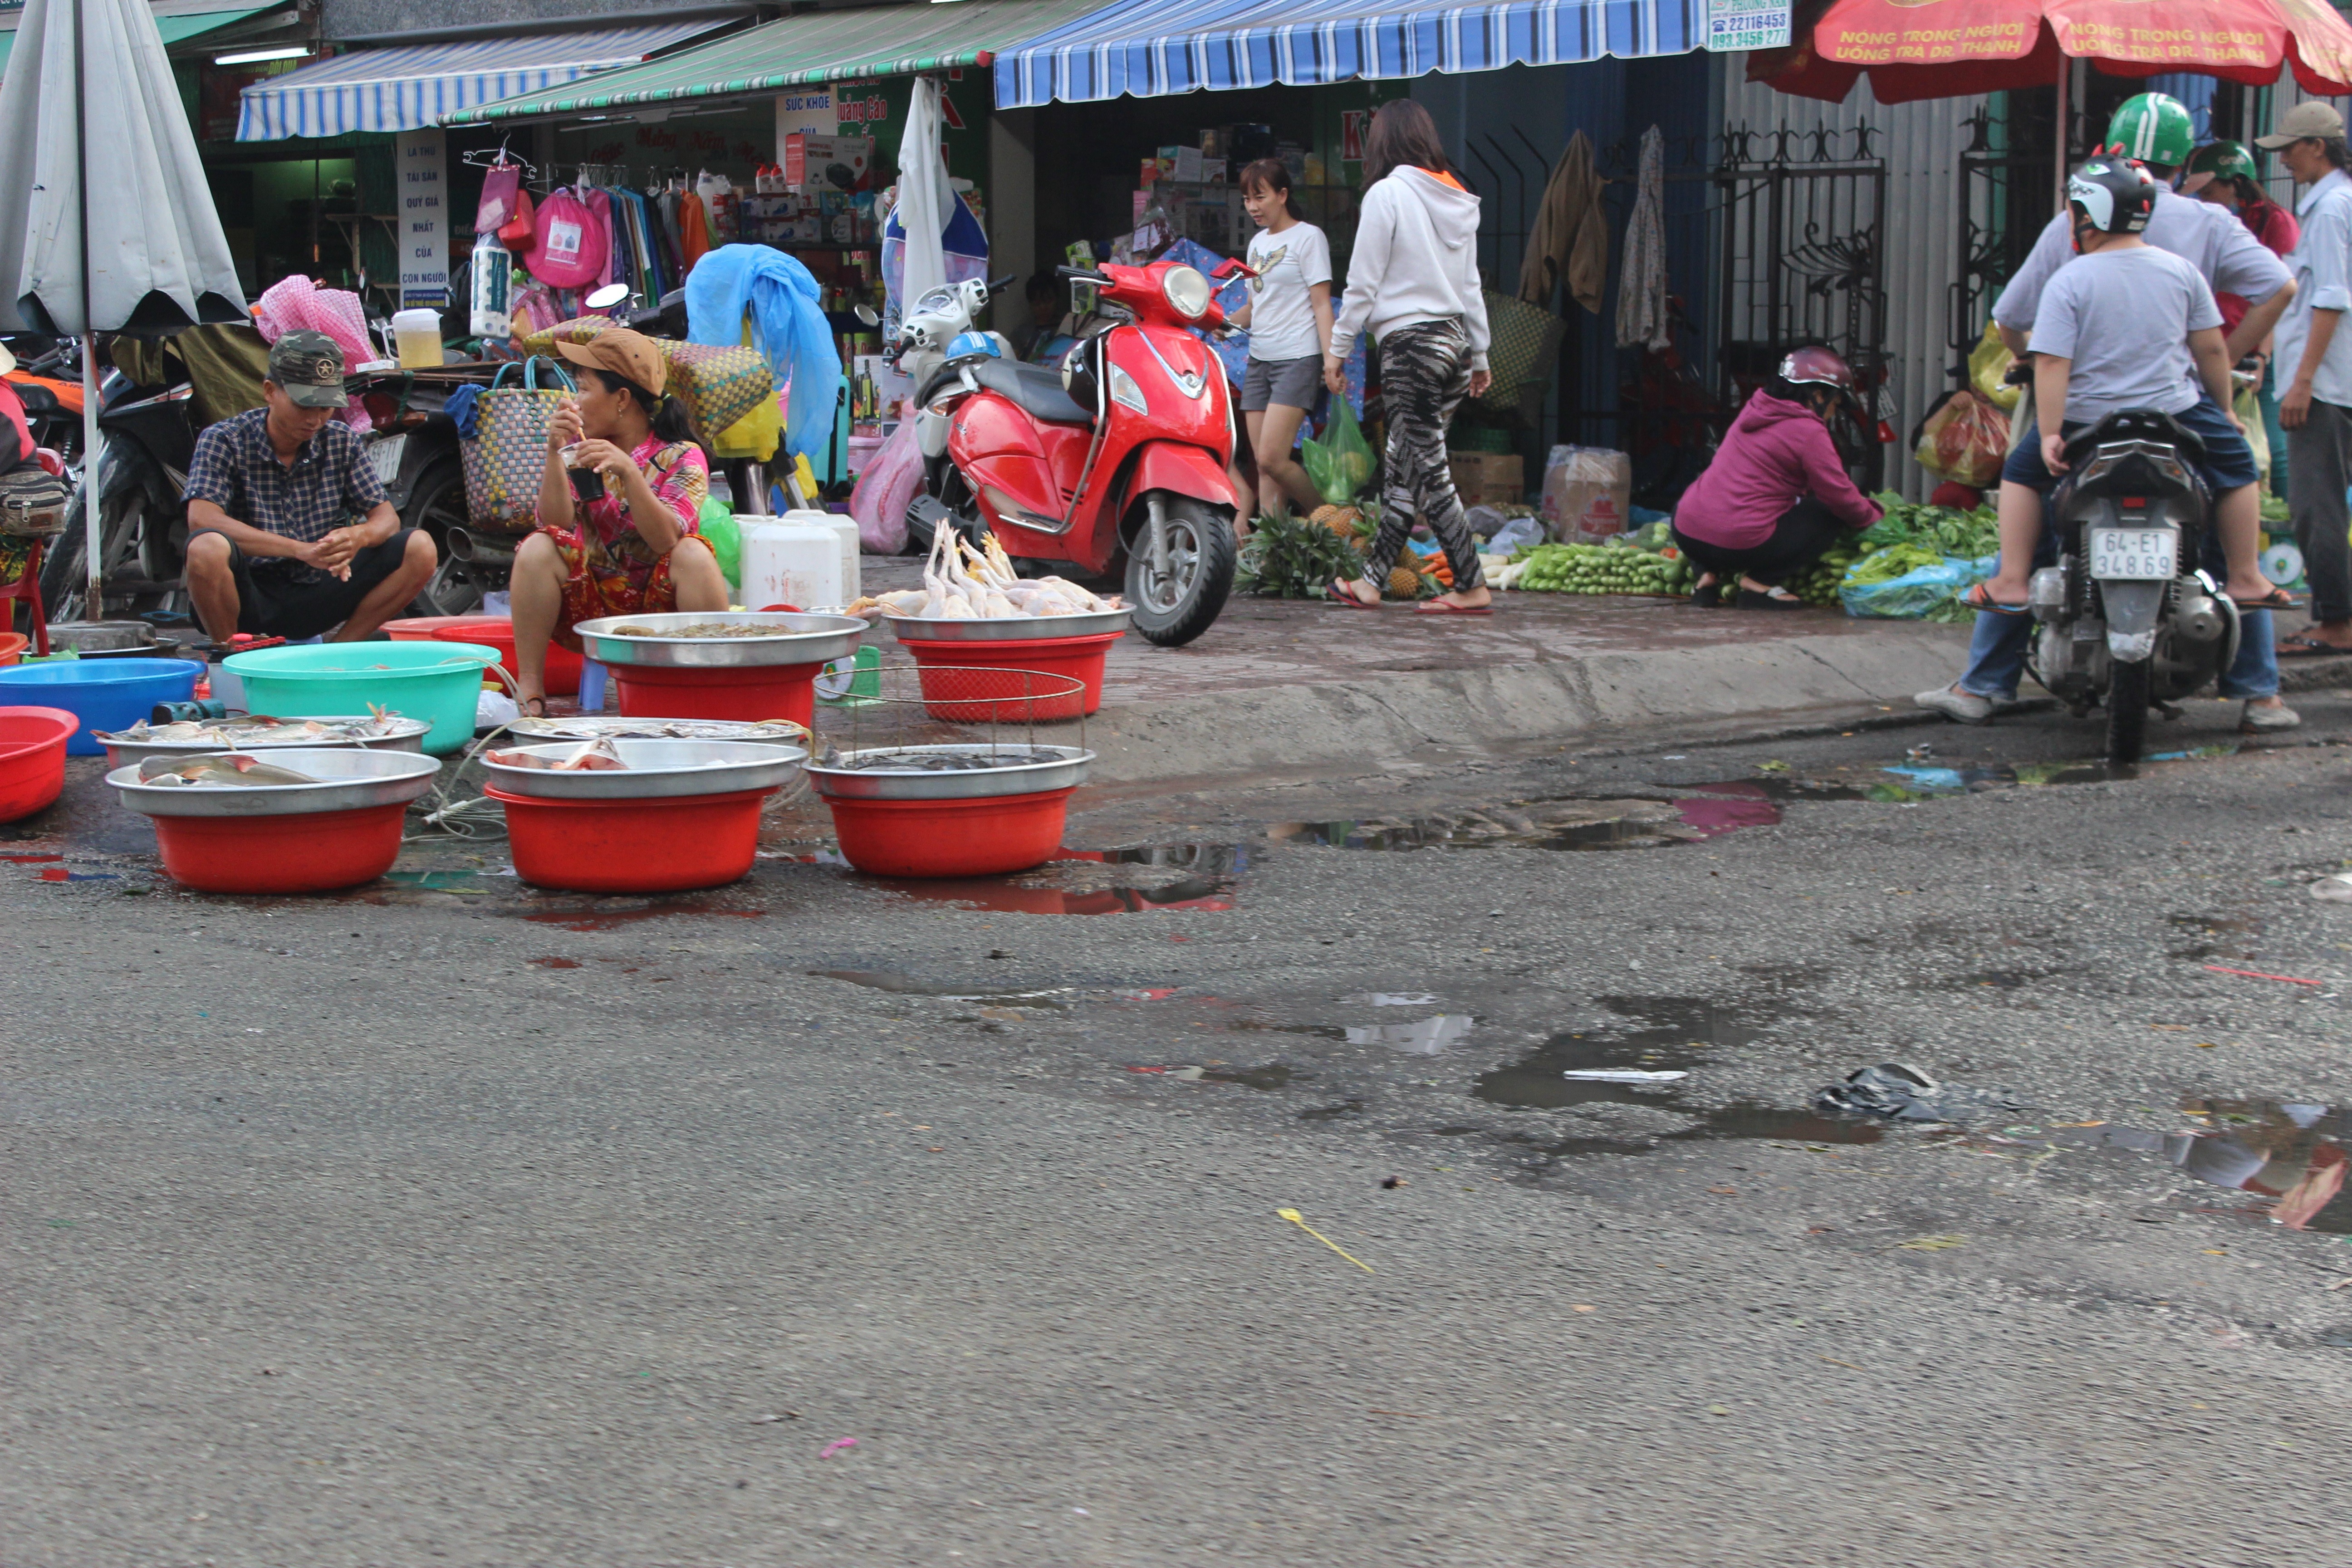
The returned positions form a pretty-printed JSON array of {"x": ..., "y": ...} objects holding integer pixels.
[{"x": 28, "y": 588}]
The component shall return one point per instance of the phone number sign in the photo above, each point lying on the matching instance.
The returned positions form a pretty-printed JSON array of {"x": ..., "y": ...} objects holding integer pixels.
[{"x": 1747, "y": 24}]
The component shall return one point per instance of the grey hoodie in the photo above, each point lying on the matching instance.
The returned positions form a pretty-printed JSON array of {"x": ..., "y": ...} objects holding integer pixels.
[{"x": 1416, "y": 259}]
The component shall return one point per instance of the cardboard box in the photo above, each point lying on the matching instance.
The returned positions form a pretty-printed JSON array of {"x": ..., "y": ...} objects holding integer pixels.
[
  {"x": 1587, "y": 494},
  {"x": 826, "y": 162},
  {"x": 1494, "y": 477}
]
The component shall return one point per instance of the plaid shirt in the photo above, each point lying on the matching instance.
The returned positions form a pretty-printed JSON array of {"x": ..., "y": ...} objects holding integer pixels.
[{"x": 330, "y": 483}]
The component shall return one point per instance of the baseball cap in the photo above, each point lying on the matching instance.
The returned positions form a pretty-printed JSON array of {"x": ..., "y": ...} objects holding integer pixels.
[
  {"x": 308, "y": 368},
  {"x": 629, "y": 355},
  {"x": 2302, "y": 124}
]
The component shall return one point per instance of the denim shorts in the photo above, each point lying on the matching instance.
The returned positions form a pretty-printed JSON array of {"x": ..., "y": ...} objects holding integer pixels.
[{"x": 2229, "y": 462}]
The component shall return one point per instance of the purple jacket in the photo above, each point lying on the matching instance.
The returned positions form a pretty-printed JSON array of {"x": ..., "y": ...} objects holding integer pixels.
[{"x": 1776, "y": 455}]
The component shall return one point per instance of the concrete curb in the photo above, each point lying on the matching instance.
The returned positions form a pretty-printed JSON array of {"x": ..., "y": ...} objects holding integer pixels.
[{"x": 1283, "y": 727}]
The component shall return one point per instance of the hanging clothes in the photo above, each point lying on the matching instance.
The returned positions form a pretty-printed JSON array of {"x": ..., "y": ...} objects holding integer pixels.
[
  {"x": 693, "y": 230},
  {"x": 1569, "y": 242},
  {"x": 1641, "y": 281}
]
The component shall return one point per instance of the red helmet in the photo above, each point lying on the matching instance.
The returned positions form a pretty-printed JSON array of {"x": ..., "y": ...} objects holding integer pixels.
[{"x": 1817, "y": 366}]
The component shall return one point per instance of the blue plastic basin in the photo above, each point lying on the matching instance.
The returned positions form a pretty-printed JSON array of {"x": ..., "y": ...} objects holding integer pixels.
[{"x": 103, "y": 693}]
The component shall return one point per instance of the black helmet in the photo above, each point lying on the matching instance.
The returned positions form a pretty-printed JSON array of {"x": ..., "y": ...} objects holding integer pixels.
[{"x": 2116, "y": 196}]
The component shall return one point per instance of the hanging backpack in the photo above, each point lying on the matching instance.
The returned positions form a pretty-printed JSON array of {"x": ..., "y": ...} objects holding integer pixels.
[{"x": 571, "y": 249}]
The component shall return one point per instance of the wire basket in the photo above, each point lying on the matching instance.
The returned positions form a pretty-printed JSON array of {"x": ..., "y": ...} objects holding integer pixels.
[{"x": 990, "y": 710}]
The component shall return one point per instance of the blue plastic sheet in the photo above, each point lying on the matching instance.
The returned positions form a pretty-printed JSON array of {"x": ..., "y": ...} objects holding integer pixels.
[
  {"x": 788, "y": 325},
  {"x": 1912, "y": 596}
]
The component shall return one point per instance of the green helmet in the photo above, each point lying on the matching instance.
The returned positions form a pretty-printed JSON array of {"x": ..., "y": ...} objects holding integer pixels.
[
  {"x": 2227, "y": 161},
  {"x": 2154, "y": 128}
]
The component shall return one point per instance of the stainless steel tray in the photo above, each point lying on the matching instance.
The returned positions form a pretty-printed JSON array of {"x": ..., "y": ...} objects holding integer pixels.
[
  {"x": 534, "y": 731},
  {"x": 973, "y": 783},
  {"x": 350, "y": 778},
  {"x": 797, "y": 639},
  {"x": 1010, "y": 628},
  {"x": 656, "y": 769},
  {"x": 408, "y": 735}
]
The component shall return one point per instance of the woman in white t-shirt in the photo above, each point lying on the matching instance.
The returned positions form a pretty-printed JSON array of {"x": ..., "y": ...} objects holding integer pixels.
[{"x": 1289, "y": 322}]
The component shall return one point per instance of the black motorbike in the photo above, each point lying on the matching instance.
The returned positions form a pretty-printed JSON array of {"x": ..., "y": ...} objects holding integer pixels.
[
  {"x": 2129, "y": 618},
  {"x": 147, "y": 435}
]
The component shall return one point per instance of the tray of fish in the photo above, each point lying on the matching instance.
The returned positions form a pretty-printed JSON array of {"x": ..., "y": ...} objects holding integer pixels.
[
  {"x": 961, "y": 771},
  {"x": 286, "y": 782},
  {"x": 189, "y": 738},
  {"x": 629, "y": 770},
  {"x": 719, "y": 639},
  {"x": 531, "y": 730}
]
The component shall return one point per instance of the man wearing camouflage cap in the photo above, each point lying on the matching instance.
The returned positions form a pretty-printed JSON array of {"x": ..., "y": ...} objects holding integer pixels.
[{"x": 290, "y": 532}]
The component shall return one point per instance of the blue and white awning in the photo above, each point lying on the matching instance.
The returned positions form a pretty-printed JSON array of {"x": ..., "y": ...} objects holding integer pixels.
[
  {"x": 410, "y": 87},
  {"x": 1147, "y": 48}
]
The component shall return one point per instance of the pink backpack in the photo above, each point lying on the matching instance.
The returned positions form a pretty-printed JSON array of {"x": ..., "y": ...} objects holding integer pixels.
[{"x": 570, "y": 248}]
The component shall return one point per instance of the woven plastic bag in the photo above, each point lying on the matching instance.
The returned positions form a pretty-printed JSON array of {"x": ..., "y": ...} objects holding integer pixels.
[
  {"x": 719, "y": 386},
  {"x": 1965, "y": 440},
  {"x": 579, "y": 329},
  {"x": 508, "y": 453}
]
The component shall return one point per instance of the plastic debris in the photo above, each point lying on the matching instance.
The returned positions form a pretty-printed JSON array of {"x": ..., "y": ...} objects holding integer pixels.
[
  {"x": 1622, "y": 1075},
  {"x": 1902, "y": 1093},
  {"x": 1295, "y": 1217},
  {"x": 839, "y": 1445},
  {"x": 2334, "y": 890}
]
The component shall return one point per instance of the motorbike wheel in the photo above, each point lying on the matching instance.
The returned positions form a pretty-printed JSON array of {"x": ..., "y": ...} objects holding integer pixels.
[
  {"x": 1172, "y": 610},
  {"x": 437, "y": 503},
  {"x": 2128, "y": 700}
]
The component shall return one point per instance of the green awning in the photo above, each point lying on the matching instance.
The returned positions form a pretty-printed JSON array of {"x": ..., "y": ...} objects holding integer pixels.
[
  {"x": 814, "y": 47},
  {"x": 177, "y": 29}
]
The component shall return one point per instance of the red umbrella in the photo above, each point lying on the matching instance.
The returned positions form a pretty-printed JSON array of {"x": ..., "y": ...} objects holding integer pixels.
[{"x": 1948, "y": 49}]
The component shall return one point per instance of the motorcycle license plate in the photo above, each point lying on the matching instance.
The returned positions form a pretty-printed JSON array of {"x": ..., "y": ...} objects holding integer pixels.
[{"x": 2133, "y": 553}]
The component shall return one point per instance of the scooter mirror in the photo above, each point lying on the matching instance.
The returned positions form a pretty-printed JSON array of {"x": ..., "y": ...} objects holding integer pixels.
[
  {"x": 610, "y": 295},
  {"x": 867, "y": 314}
]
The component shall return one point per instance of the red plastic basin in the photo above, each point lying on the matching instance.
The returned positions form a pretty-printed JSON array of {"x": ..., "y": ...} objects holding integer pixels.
[
  {"x": 982, "y": 838},
  {"x": 963, "y": 698},
  {"x": 32, "y": 758},
  {"x": 12, "y": 645},
  {"x": 498, "y": 632},
  {"x": 665, "y": 846},
  {"x": 309, "y": 852},
  {"x": 420, "y": 628},
  {"x": 739, "y": 691}
]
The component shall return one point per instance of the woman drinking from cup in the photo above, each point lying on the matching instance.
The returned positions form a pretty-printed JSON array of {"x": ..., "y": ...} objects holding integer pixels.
[{"x": 620, "y": 502}]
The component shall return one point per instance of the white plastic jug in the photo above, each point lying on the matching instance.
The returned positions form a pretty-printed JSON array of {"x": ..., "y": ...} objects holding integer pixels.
[
  {"x": 417, "y": 338},
  {"x": 791, "y": 562},
  {"x": 845, "y": 528}
]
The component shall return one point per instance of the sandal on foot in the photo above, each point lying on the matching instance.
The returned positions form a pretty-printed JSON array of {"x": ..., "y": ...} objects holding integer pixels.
[
  {"x": 1778, "y": 599},
  {"x": 2277, "y": 599},
  {"x": 1979, "y": 597},
  {"x": 1707, "y": 595},
  {"x": 530, "y": 707},
  {"x": 1340, "y": 593},
  {"x": 2305, "y": 646}
]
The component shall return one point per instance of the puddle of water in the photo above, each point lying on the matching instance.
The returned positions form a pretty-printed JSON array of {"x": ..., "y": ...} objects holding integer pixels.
[
  {"x": 1211, "y": 859},
  {"x": 2295, "y": 1154},
  {"x": 1566, "y": 823},
  {"x": 465, "y": 882},
  {"x": 1425, "y": 1038},
  {"x": 1681, "y": 1033},
  {"x": 1003, "y": 897},
  {"x": 899, "y": 984},
  {"x": 616, "y": 913}
]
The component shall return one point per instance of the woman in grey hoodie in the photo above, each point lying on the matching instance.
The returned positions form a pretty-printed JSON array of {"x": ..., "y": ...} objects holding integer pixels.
[{"x": 1412, "y": 282}]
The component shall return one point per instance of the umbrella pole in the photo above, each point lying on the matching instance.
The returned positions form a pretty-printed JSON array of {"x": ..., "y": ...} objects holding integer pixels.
[
  {"x": 2058, "y": 133},
  {"x": 93, "y": 606}
]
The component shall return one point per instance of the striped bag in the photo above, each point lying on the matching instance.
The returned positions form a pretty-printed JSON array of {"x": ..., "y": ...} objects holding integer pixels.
[{"x": 507, "y": 451}]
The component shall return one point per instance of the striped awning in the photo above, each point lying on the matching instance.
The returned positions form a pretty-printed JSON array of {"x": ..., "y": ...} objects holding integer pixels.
[
  {"x": 852, "y": 44},
  {"x": 412, "y": 86},
  {"x": 1147, "y": 48}
]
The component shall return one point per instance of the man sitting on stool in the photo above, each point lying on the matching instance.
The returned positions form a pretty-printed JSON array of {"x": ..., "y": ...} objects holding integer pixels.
[{"x": 272, "y": 493}]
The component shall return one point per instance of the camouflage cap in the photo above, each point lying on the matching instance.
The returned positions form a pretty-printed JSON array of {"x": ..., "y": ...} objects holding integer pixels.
[{"x": 309, "y": 367}]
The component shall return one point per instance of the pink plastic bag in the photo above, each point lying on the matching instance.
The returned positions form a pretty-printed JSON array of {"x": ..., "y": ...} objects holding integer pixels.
[
  {"x": 886, "y": 488},
  {"x": 297, "y": 305},
  {"x": 499, "y": 188}
]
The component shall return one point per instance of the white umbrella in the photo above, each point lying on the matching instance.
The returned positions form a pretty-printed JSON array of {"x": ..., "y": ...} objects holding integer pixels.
[{"x": 106, "y": 223}]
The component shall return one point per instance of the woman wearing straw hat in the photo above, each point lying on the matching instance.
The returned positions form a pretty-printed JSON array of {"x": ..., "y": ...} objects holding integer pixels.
[{"x": 620, "y": 502}]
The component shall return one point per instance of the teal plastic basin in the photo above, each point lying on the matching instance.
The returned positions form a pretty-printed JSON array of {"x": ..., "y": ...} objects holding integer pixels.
[{"x": 435, "y": 681}]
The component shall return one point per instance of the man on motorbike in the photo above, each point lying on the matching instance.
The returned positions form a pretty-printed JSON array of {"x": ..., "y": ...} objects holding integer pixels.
[
  {"x": 290, "y": 532},
  {"x": 2158, "y": 135}
]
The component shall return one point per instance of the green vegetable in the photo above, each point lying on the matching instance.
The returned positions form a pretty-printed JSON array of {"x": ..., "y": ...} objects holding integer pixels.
[
  {"x": 1294, "y": 558},
  {"x": 1946, "y": 529},
  {"x": 1894, "y": 561}
]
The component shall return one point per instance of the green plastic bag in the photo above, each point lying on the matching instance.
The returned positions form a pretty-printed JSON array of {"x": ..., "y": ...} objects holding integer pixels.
[
  {"x": 1340, "y": 466},
  {"x": 716, "y": 526}
]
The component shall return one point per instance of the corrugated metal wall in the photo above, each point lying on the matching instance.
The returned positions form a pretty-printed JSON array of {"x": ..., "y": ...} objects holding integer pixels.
[{"x": 1921, "y": 144}]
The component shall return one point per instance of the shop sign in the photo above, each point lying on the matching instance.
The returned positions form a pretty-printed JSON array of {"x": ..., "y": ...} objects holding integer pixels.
[
  {"x": 862, "y": 110},
  {"x": 1746, "y": 24},
  {"x": 421, "y": 159},
  {"x": 809, "y": 111}
]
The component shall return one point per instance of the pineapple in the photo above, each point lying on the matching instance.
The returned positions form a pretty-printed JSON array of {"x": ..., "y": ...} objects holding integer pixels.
[
  {"x": 1343, "y": 520},
  {"x": 1404, "y": 582}
]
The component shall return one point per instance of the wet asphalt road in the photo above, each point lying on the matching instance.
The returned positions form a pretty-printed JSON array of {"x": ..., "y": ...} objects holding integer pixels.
[{"x": 446, "y": 1223}]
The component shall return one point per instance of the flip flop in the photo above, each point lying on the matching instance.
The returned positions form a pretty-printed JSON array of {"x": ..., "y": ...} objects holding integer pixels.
[
  {"x": 2277, "y": 599},
  {"x": 1979, "y": 597},
  {"x": 530, "y": 707},
  {"x": 1337, "y": 594},
  {"x": 1707, "y": 595},
  {"x": 2302, "y": 647},
  {"x": 1440, "y": 607},
  {"x": 1749, "y": 599}
]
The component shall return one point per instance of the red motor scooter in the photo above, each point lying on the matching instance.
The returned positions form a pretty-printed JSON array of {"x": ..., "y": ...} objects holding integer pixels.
[{"x": 1125, "y": 452}]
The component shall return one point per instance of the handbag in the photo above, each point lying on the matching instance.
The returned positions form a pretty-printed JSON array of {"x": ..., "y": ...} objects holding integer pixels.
[
  {"x": 579, "y": 329},
  {"x": 33, "y": 503},
  {"x": 507, "y": 451},
  {"x": 499, "y": 186},
  {"x": 719, "y": 386},
  {"x": 1523, "y": 345}
]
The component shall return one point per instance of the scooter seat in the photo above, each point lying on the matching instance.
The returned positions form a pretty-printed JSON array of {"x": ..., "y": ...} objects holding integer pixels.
[{"x": 1034, "y": 387}]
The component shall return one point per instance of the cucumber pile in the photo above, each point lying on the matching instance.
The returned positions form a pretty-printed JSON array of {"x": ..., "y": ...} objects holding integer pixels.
[
  {"x": 1819, "y": 586},
  {"x": 1602, "y": 569}
]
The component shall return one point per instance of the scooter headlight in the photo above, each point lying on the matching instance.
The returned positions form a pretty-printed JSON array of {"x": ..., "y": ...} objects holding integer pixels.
[{"x": 1186, "y": 292}]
